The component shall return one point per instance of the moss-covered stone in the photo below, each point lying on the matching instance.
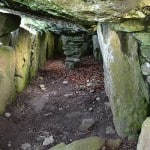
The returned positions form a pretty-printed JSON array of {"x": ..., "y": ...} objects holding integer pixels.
[
  {"x": 35, "y": 53},
  {"x": 145, "y": 52},
  {"x": 124, "y": 82},
  {"x": 85, "y": 12},
  {"x": 42, "y": 48},
  {"x": 31, "y": 48},
  {"x": 143, "y": 37},
  {"x": 128, "y": 26},
  {"x": 50, "y": 45},
  {"x": 21, "y": 43},
  {"x": 92, "y": 143},
  {"x": 7, "y": 71}
]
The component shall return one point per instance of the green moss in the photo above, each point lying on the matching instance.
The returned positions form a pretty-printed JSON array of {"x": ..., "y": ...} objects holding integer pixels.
[
  {"x": 128, "y": 26},
  {"x": 7, "y": 71},
  {"x": 143, "y": 37}
]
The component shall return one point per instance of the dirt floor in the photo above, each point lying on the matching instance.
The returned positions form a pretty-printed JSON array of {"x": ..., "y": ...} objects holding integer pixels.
[{"x": 54, "y": 105}]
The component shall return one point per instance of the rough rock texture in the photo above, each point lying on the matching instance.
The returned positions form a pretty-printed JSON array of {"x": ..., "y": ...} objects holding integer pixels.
[
  {"x": 74, "y": 47},
  {"x": 130, "y": 25},
  {"x": 143, "y": 38},
  {"x": 96, "y": 48},
  {"x": 124, "y": 83},
  {"x": 21, "y": 44},
  {"x": 143, "y": 143},
  {"x": 145, "y": 52},
  {"x": 83, "y": 11},
  {"x": 92, "y": 143},
  {"x": 5, "y": 40},
  {"x": 9, "y": 23},
  {"x": 31, "y": 52},
  {"x": 50, "y": 45},
  {"x": 7, "y": 71},
  {"x": 42, "y": 48},
  {"x": 128, "y": 92}
]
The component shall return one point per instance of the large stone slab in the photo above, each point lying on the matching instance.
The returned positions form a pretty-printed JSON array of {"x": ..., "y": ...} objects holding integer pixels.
[
  {"x": 92, "y": 143},
  {"x": 9, "y": 23},
  {"x": 144, "y": 138},
  {"x": 21, "y": 43},
  {"x": 85, "y": 11},
  {"x": 128, "y": 26},
  {"x": 124, "y": 83},
  {"x": 50, "y": 45},
  {"x": 7, "y": 71},
  {"x": 31, "y": 48},
  {"x": 42, "y": 48}
]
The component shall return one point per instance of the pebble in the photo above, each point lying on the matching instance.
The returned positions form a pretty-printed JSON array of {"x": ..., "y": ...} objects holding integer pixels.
[
  {"x": 87, "y": 81},
  {"x": 26, "y": 146},
  {"x": 49, "y": 140},
  {"x": 42, "y": 87},
  {"x": 65, "y": 82},
  {"x": 60, "y": 109},
  {"x": 82, "y": 87},
  {"x": 86, "y": 124},
  {"x": 70, "y": 140},
  {"x": 77, "y": 92},
  {"x": 48, "y": 114},
  {"x": 68, "y": 95},
  {"x": 91, "y": 109},
  {"x": 9, "y": 143},
  {"x": 92, "y": 91},
  {"x": 98, "y": 99},
  {"x": 40, "y": 78},
  {"x": 110, "y": 130},
  {"x": 89, "y": 84},
  {"x": 7, "y": 114}
]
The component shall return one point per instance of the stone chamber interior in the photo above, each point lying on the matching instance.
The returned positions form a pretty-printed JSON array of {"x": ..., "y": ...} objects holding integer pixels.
[{"x": 66, "y": 86}]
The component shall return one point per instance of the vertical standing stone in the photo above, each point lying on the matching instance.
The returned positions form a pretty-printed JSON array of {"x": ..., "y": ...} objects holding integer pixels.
[
  {"x": 7, "y": 71},
  {"x": 50, "y": 45},
  {"x": 42, "y": 48},
  {"x": 124, "y": 82},
  {"x": 21, "y": 43},
  {"x": 35, "y": 53},
  {"x": 96, "y": 48}
]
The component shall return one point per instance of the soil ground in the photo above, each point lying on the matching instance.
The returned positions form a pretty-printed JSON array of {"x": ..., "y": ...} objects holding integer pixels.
[{"x": 48, "y": 107}]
